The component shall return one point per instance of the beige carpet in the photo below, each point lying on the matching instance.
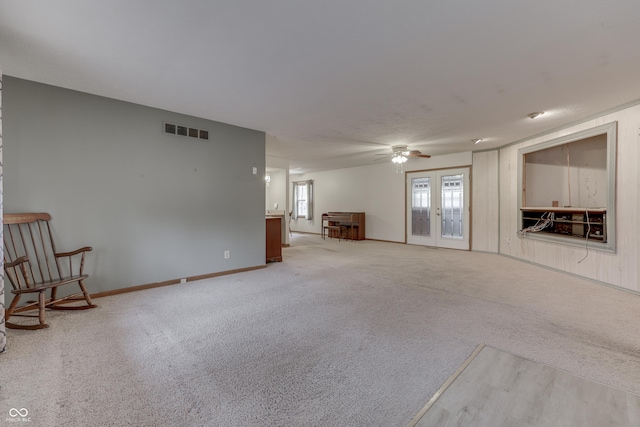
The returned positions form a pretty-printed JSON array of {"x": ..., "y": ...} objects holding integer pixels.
[{"x": 339, "y": 334}]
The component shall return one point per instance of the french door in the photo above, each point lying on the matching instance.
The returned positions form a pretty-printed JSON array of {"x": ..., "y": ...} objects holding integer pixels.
[{"x": 438, "y": 208}]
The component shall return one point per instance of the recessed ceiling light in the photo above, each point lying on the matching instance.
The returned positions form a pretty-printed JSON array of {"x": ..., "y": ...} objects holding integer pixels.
[
  {"x": 534, "y": 115},
  {"x": 476, "y": 140}
]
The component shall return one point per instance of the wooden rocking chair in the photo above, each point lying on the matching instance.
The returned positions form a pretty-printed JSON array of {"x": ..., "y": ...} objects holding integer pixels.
[{"x": 33, "y": 266}]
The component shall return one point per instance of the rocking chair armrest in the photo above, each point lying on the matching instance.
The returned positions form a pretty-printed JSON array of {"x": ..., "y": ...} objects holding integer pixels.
[
  {"x": 76, "y": 252},
  {"x": 18, "y": 261}
]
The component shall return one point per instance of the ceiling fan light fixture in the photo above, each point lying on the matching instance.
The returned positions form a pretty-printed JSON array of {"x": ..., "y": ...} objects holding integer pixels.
[
  {"x": 476, "y": 140},
  {"x": 398, "y": 158},
  {"x": 535, "y": 115}
]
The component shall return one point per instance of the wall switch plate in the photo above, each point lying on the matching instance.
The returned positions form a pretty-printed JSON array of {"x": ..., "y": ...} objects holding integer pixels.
[
  {"x": 255, "y": 170},
  {"x": 227, "y": 255}
]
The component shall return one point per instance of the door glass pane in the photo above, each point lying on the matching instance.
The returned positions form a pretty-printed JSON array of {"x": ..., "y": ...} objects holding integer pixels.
[
  {"x": 452, "y": 206},
  {"x": 421, "y": 206}
]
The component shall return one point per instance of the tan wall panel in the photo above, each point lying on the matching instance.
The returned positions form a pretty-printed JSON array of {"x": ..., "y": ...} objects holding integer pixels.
[
  {"x": 485, "y": 201},
  {"x": 618, "y": 269}
]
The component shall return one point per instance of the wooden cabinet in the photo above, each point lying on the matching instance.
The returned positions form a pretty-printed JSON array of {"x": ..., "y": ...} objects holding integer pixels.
[{"x": 274, "y": 239}]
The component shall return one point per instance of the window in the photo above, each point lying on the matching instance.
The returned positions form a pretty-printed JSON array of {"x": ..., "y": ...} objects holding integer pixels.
[
  {"x": 452, "y": 202},
  {"x": 421, "y": 206},
  {"x": 303, "y": 200}
]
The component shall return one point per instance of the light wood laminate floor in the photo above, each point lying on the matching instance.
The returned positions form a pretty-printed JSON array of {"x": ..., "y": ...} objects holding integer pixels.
[{"x": 494, "y": 388}]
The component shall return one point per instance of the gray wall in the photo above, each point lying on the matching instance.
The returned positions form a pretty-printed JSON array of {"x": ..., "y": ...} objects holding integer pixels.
[{"x": 153, "y": 206}]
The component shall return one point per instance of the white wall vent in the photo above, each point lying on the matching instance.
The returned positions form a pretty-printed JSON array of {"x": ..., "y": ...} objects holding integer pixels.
[{"x": 180, "y": 130}]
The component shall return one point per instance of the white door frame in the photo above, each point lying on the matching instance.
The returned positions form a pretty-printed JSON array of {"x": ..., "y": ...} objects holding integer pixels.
[{"x": 435, "y": 237}]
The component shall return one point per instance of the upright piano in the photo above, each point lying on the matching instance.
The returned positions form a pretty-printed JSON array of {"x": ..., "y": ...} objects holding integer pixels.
[{"x": 343, "y": 225}]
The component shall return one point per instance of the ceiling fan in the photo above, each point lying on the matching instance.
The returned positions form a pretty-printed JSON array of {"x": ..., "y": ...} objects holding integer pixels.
[{"x": 400, "y": 154}]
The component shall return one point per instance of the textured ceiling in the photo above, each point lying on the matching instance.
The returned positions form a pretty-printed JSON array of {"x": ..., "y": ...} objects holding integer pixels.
[{"x": 337, "y": 82}]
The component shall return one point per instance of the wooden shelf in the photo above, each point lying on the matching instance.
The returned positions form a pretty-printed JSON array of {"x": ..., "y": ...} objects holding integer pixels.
[
  {"x": 562, "y": 209},
  {"x": 570, "y": 222}
]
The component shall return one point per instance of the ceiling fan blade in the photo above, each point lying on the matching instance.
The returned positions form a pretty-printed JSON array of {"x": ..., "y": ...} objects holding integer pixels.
[
  {"x": 416, "y": 153},
  {"x": 401, "y": 150}
]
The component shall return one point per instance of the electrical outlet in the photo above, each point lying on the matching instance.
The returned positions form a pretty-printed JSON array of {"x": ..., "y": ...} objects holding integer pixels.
[
  {"x": 183, "y": 280},
  {"x": 227, "y": 255}
]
